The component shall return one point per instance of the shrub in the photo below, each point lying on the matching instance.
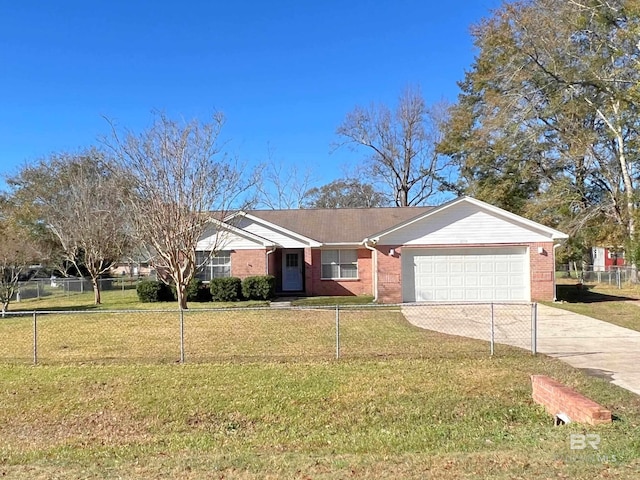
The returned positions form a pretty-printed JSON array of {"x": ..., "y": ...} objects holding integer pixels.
[
  {"x": 261, "y": 287},
  {"x": 227, "y": 289},
  {"x": 196, "y": 291},
  {"x": 154, "y": 291}
]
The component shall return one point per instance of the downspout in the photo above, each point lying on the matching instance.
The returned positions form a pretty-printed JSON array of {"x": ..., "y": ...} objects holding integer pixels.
[
  {"x": 374, "y": 256},
  {"x": 266, "y": 263}
]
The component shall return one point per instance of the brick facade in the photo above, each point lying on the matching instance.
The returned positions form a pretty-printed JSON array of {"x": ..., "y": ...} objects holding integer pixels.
[
  {"x": 317, "y": 286},
  {"x": 389, "y": 274},
  {"x": 542, "y": 271},
  {"x": 247, "y": 263}
]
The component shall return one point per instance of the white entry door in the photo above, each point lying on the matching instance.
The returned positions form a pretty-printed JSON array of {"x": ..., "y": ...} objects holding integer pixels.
[
  {"x": 291, "y": 271},
  {"x": 465, "y": 274}
]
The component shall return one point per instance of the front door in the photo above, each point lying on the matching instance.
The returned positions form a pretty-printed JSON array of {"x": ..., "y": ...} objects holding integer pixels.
[{"x": 291, "y": 271}]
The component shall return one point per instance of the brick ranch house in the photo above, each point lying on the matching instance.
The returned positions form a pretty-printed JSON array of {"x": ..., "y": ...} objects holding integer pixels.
[{"x": 463, "y": 250}]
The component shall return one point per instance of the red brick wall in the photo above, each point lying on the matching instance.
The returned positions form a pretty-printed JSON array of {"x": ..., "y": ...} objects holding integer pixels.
[
  {"x": 542, "y": 270},
  {"x": 315, "y": 285},
  {"x": 389, "y": 274},
  {"x": 558, "y": 398},
  {"x": 246, "y": 263}
]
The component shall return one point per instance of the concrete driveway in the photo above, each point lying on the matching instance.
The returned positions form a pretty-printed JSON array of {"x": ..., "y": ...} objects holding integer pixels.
[{"x": 597, "y": 347}]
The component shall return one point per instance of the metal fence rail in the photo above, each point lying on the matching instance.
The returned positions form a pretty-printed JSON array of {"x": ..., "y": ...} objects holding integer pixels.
[
  {"x": 52, "y": 287},
  {"x": 612, "y": 275},
  {"x": 266, "y": 334}
]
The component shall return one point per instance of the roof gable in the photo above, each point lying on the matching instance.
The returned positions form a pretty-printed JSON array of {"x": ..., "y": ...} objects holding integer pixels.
[
  {"x": 224, "y": 236},
  {"x": 467, "y": 220}
]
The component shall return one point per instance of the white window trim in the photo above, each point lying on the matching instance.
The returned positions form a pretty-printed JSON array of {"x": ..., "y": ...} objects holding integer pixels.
[
  {"x": 339, "y": 250},
  {"x": 210, "y": 265}
]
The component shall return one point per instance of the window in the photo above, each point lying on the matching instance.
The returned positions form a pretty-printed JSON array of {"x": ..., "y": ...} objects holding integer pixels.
[
  {"x": 217, "y": 267},
  {"x": 339, "y": 264}
]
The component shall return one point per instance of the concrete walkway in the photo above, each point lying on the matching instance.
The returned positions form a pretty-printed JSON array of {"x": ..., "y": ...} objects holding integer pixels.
[{"x": 597, "y": 347}]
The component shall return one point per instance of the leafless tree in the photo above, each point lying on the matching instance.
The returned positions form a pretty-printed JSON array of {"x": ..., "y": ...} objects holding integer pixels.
[
  {"x": 282, "y": 186},
  {"x": 182, "y": 182},
  {"x": 18, "y": 251},
  {"x": 401, "y": 144},
  {"x": 81, "y": 203}
]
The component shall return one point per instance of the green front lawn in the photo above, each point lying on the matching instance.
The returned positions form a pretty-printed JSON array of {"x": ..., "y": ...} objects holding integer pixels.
[
  {"x": 602, "y": 301},
  {"x": 399, "y": 418}
]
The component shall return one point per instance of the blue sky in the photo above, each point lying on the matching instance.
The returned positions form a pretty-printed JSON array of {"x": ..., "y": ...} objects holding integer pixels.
[{"x": 284, "y": 72}]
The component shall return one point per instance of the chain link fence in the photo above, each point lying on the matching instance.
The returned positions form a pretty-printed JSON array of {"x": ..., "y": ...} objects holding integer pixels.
[
  {"x": 617, "y": 276},
  {"x": 267, "y": 334},
  {"x": 67, "y": 286}
]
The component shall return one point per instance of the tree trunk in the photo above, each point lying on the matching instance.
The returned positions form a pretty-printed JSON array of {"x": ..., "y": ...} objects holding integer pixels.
[
  {"x": 181, "y": 292},
  {"x": 96, "y": 291}
]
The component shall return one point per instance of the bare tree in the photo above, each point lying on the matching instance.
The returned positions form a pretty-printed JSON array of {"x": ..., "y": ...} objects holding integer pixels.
[
  {"x": 182, "y": 182},
  {"x": 18, "y": 252},
  {"x": 81, "y": 203},
  {"x": 401, "y": 144},
  {"x": 282, "y": 186}
]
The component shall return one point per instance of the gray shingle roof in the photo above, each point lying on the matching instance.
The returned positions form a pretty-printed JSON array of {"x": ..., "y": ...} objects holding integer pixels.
[{"x": 339, "y": 225}]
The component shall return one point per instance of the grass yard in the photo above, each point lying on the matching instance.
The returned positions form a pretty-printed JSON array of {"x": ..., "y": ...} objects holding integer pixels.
[
  {"x": 602, "y": 301},
  {"x": 433, "y": 417},
  {"x": 401, "y": 403}
]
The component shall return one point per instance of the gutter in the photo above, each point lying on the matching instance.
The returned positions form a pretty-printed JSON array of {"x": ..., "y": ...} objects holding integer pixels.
[{"x": 366, "y": 242}]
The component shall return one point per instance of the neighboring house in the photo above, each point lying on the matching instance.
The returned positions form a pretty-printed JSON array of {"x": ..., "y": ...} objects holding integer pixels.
[
  {"x": 135, "y": 265},
  {"x": 604, "y": 258},
  {"x": 464, "y": 250}
]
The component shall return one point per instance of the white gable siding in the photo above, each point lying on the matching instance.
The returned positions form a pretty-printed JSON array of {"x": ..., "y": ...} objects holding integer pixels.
[
  {"x": 275, "y": 236},
  {"x": 460, "y": 224},
  {"x": 227, "y": 241}
]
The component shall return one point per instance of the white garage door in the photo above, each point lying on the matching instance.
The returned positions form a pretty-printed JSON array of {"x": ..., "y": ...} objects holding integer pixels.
[{"x": 465, "y": 274}]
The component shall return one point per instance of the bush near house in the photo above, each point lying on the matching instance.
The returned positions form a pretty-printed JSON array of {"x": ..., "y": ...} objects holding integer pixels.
[
  {"x": 261, "y": 287},
  {"x": 196, "y": 291},
  {"x": 150, "y": 291},
  {"x": 227, "y": 289}
]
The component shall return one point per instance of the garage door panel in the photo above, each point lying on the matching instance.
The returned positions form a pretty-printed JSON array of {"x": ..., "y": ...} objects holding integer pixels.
[
  {"x": 439, "y": 268},
  {"x": 456, "y": 268},
  {"x": 465, "y": 274}
]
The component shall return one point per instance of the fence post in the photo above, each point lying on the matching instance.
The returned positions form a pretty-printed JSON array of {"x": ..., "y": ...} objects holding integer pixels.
[
  {"x": 337, "y": 331},
  {"x": 35, "y": 337},
  {"x": 534, "y": 328},
  {"x": 181, "y": 335},
  {"x": 493, "y": 333}
]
